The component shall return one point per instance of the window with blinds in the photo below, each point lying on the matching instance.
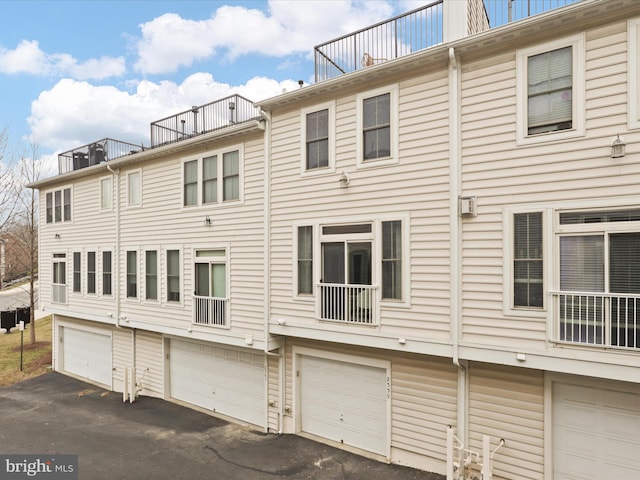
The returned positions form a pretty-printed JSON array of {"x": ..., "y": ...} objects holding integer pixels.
[
  {"x": 550, "y": 91},
  {"x": 528, "y": 260}
]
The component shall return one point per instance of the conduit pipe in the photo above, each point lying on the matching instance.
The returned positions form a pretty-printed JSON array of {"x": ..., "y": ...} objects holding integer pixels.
[{"x": 115, "y": 278}]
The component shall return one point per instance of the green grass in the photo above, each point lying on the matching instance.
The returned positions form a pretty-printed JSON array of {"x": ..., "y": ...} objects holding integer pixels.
[{"x": 36, "y": 358}]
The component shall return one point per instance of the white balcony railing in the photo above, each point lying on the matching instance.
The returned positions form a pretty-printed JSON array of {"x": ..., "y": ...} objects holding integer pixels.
[
  {"x": 210, "y": 311},
  {"x": 58, "y": 293},
  {"x": 599, "y": 319},
  {"x": 347, "y": 303}
]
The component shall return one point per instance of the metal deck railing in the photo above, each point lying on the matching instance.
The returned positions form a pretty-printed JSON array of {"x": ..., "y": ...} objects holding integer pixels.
[
  {"x": 223, "y": 113},
  {"x": 95, "y": 153}
]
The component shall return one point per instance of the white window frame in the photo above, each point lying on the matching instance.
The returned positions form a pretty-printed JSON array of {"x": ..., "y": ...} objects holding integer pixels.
[
  {"x": 95, "y": 272},
  {"x": 508, "y": 308},
  {"x": 577, "y": 42},
  {"x": 376, "y": 253},
  {"x": 222, "y": 259},
  {"x": 143, "y": 277},
  {"x": 130, "y": 175},
  {"x": 164, "y": 271},
  {"x": 53, "y": 205},
  {"x": 102, "y": 197},
  {"x": 137, "y": 298},
  {"x": 100, "y": 268},
  {"x": 634, "y": 72},
  {"x": 73, "y": 272},
  {"x": 393, "y": 91},
  {"x": 331, "y": 167},
  {"x": 220, "y": 165},
  {"x": 56, "y": 258}
]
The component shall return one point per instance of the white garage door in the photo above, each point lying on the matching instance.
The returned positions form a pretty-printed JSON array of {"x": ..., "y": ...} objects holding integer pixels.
[
  {"x": 596, "y": 433},
  {"x": 87, "y": 354},
  {"x": 344, "y": 402},
  {"x": 227, "y": 381}
]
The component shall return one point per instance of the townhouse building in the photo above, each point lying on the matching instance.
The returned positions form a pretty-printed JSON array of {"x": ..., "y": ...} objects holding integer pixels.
[{"x": 427, "y": 253}]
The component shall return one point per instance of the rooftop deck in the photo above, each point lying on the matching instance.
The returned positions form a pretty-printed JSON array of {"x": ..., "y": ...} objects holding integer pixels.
[
  {"x": 95, "y": 153},
  {"x": 417, "y": 30}
]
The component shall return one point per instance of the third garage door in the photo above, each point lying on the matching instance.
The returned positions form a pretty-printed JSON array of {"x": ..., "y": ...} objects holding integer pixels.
[
  {"x": 225, "y": 380},
  {"x": 345, "y": 402},
  {"x": 596, "y": 432}
]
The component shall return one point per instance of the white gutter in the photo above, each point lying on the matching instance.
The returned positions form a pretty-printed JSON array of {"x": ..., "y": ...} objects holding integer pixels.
[{"x": 455, "y": 253}]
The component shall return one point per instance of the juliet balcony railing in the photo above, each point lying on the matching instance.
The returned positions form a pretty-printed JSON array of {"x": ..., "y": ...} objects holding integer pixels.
[
  {"x": 354, "y": 304},
  {"x": 217, "y": 115},
  {"x": 95, "y": 153},
  {"x": 597, "y": 319},
  {"x": 417, "y": 30},
  {"x": 210, "y": 311},
  {"x": 58, "y": 293}
]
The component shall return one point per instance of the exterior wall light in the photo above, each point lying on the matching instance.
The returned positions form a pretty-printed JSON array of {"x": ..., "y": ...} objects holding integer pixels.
[
  {"x": 207, "y": 221},
  {"x": 617, "y": 147},
  {"x": 344, "y": 180}
]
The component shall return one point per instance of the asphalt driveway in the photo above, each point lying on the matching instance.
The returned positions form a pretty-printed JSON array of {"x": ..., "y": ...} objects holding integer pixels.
[{"x": 155, "y": 439}]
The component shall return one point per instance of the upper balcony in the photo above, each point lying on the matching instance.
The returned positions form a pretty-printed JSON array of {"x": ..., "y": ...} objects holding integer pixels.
[
  {"x": 95, "y": 153},
  {"x": 420, "y": 29},
  {"x": 229, "y": 111}
]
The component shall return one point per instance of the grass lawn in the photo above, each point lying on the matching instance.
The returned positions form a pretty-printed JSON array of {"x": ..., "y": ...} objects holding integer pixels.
[{"x": 36, "y": 358}]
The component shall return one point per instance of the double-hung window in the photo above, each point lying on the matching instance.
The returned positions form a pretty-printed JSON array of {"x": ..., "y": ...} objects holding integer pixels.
[
  {"x": 317, "y": 139},
  {"x": 551, "y": 90},
  {"x": 377, "y": 124},
  {"x": 59, "y": 277},
  {"x": 598, "y": 301},
  {"x": 305, "y": 260},
  {"x": 173, "y": 275},
  {"x": 58, "y": 206},
  {"x": 106, "y": 193},
  {"x": 213, "y": 179},
  {"x": 132, "y": 274},
  {"x": 91, "y": 272},
  {"x": 151, "y": 275},
  {"x": 134, "y": 193},
  {"x": 210, "y": 299},
  {"x": 77, "y": 272},
  {"x": 107, "y": 274},
  {"x": 527, "y": 260}
]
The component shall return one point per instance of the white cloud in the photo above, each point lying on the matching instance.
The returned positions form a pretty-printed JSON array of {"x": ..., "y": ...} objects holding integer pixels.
[
  {"x": 27, "y": 57},
  {"x": 170, "y": 41},
  {"x": 74, "y": 113}
]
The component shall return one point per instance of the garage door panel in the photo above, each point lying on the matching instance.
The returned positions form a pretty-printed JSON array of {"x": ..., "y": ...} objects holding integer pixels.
[
  {"x": 596, "y": 432},
  {"x": 224, "y": 380},
  {"x": 344, "y": 402},
  {"x": 87, "y": 354}
]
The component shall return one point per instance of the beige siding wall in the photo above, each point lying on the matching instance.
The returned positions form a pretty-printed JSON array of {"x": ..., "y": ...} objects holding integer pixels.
[
  {"x": 421, "y": 174},
  {"x": 508, "y": 403},
  {"x": 273, "y": 400},
  {"x": 149, "y": 363},
  {"x": 423, "y": 396},
  {"x": 122, "y": 356},
  {"x": 503, "y": 174}
]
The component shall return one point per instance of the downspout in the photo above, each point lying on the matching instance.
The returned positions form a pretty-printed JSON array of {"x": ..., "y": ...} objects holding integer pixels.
[
  {"x": 116, "y": 259},
  {"x": 267, "y": 274},
  {"x": 455, "y": 246}
]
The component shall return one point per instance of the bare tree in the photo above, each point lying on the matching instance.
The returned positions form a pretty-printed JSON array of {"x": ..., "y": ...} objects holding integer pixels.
[{"x": 25, "y": 222}]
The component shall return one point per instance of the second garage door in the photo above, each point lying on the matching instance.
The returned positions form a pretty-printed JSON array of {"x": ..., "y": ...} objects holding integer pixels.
[
  {"x": 596, "y": 432},
  {"x": 86, "y": 354},
  {"x": 344, "y": 402},
  {"x": 225, "y": 380}
]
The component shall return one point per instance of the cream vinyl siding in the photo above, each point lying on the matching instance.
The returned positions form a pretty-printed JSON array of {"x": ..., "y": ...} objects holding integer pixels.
[
  {"x": 421, "y": 174},
  {"x": 273, "y": 390},
  {"x": 503, "y": 175},
  {"x": 149, "y": 363},
  {"x": 122, "y": 341},
  {"x": 145, "y": 228},
  {"x": 508, "y": 403},
  {"x": 423, "y": 402}
]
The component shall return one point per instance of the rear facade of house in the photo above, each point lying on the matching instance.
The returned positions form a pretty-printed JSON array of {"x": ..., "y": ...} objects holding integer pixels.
[{"x": 426, "y": 254}]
